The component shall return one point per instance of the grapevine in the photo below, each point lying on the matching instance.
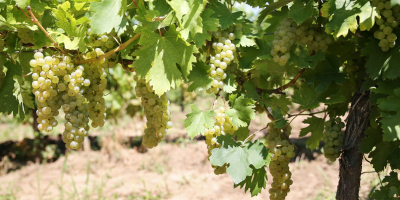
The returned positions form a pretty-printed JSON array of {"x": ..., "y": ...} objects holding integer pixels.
[{"x": 334, "y": 58}]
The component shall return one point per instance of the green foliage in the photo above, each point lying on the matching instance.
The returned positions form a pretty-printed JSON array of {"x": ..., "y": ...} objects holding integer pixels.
[
  {"x": 240, "y": 158},
  {"x": 176, "y": 44}
]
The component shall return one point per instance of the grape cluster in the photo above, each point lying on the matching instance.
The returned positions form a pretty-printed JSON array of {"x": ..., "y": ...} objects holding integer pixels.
[
  {"x": 281, "y": 153},
  {"x": 333, "y": 138},
  {"x": 389, "y": 14},
  {"x": 314, "y": 40},
  {"x": 25, "y": 34},
  {"x": 223, "y": 124},
  {"x": 101, "y": 41},
  {"x": 289, "y": 34},
  {"x": 283, "y": 40},
  {"x": 188, "y": 96},
  {"x": 78, "y": 90},
  {"x": 222, "y": 57},
  {"x": 156, "y": 109}
]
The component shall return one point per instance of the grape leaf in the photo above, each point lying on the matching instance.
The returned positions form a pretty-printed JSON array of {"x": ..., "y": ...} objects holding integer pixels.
[
  {"x": 241, "y": 110},
  {"x": 255, "y": 183},
  {"x": 381, "y": 154},
  {"x": 199, "y": 76},
  {"x": 23, "y": 3},
  {"x": 249, "y": 54},
  {"x": 158, "y": 58},
  {"x": 210, "y": 24},
  {"x": 230, "y": 83},
  {"x": 107, "y": 14},
  {"x": 8, "y": 102},
  {"x": 245, "y": 41},
  {"x": 239, "y": 157},
  {"x": 325, "y": 73},
  {"x": 379, "y": 62},
  {"x": 279, "y": 107},
  {"x": 305, "y": 60},
  {"x": 369, "y": 142},
  {"x": 22, "y": 91},
  {"x": 196, "y": 121},
  {"x": 225, "y": 17},
  {"x": 276, "y": 17},
  {"x": 390, "y": 124},
  {"x": 316, "y": 128},
  {"x": 300, "y": 12},
  {"x": 344, "y": 16},
  {"x": 189, "y": 13},
  {"x": 306, "y": 96},
  {"x": 271, "y": 7},
  {"x": 242, "y": 133}
]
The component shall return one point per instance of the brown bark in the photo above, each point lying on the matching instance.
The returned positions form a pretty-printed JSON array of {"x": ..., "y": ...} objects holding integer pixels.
[{"x": 351, "y": 158}]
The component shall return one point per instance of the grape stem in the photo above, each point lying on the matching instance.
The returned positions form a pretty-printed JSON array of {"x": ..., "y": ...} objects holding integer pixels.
[
  {"x": 287, "y": 85},
  {"x": 119, "y": 48},
  {"x": 8, "y": 57},
  {"x": 244, "y": 141},
  {"x": 271, "y": 117},
  {"x": 35, "y": 21}
]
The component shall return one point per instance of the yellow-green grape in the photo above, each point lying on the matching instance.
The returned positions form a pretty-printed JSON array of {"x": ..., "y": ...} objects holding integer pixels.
[
  {"x": 156, "y": 109},
  {"x": 101, "y": 41},
  {"x": 283, "y": 41},
  {"x": 222, "y": 126},
  {"x": 281, "y": 153},
  {"x": 333, "y": 138},
  {"x": 223, "y": 54},
  {"x": 386, "y": 22},
  {"x": 45, "y": 91},
  {"x": 26, "y": 35}
]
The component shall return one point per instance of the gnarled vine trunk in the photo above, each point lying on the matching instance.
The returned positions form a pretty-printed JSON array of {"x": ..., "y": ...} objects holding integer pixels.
[{"x": 351, "y": 158}]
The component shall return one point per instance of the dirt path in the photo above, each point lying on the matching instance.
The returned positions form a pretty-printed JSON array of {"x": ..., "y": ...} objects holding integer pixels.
[{"x": 170, "y": 171}]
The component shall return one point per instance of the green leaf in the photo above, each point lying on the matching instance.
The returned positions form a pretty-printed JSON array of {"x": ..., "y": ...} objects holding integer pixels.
[
  {"x": 8, "y": 102},
  {"x": 107, "y": 14},
  {"x": 316, "y": 128},
  {"x": 249, "y": 54},
  {"x": 271, "y": 7},
  {"x": 210, "y": 24},
  {"x": 325, "y": 73},
  {"x": 159, "y": 56},
  {"x": 68, "y": 44},
  {"x": 345, "y": 14},
  {"x": 391, "y": 127},
  {"x": 300, "y": 12},
  {"x": 379, "y": 62},
  {"x": 256, "y": 182},
  {"x": 199, "y": 76},
  {"x": 240, "y": 158},
  {"x": 241, "y": 110},
  {"x": 306, "y": 96},
  {"x": 225, "y": 17},
  {"x": 23, "y": 3},
  {"x": 305, "y": 60},
  {"x": 369, "y": 142},
  {"x": 245, "y": 41},
  {"x": 242, "y": 133},
  {"x": 381, "y": 154},
  {"x": 196, "y": 121},
  {"x": 22, "y": 91},
  {"x": 189, "y": 13},
  {"x": 230, "y": 83}
]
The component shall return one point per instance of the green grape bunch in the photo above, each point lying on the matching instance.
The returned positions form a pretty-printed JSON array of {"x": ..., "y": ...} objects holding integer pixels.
[
  {"x": 100, "y": 41},
  {"x": 222, "y": 126},
  {"x": 157, "y": 111},
  {"x": 288, "y": 34},
  {"x": 333, "y": 138},
  {"x": 77, "y": 90},
  {"x": 281, "y": 153},
  {"x": 387, "y": 22},
  {"x": 223, "y": 54}
]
